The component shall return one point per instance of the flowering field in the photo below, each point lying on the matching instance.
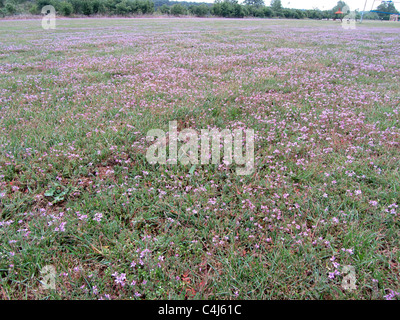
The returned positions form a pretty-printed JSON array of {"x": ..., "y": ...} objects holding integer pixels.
[{"x": 317, "y": 219}]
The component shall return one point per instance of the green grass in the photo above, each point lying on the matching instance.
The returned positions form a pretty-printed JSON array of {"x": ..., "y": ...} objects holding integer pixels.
[{"x": 77, "y": 102}]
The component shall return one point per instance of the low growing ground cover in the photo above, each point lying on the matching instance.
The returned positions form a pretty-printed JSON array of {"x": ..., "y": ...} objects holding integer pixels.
[{"x": 78, "y": 194}]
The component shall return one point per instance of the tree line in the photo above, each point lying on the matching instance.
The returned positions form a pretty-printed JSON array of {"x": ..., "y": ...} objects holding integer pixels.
[{"x": 220, "y": 8}]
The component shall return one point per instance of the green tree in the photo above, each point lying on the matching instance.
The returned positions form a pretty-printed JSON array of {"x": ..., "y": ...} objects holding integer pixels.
[
  {"x": 76, "y": 4},
  {"x": 87, "y": 8},
  {"x": 314, "y": 14},
  {"x": 34, "y": 9},
  {"x": 199, "y": 10},
  {"x": 276, "y": 5},
  {"x": 255, "y": 3},
  {"x": 178, "y": 10},
  {"x": 287, "y": 13},
  {"x": 268, "y": 12},
  {"x": 147, "y": 6},
  {"x": 388, "y": 7},
  {"x": 11, "y": 9},
  {"x": 226, "y": 9},
  {"x": 216, "y": 9},
  {"x": 340, "y": 5},
  {"x": 164, "y": 9},
  {"x": 238, "y": 11},
  {"x": 123, "y": 8},
  {"x": 96, "y": 5},
  {"x": 66, "y": 8},
  {"x": 299, "y": 14}
]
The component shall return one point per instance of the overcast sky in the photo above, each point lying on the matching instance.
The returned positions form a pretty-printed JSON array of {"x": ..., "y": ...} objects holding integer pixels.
[{"x": 321, "y": 4}]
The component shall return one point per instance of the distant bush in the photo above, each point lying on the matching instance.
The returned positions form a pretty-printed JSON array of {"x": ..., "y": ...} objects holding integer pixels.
[
  {"x": 238, "y": 11},
  {"x": 164, "y": 9},
  {"x": 10, "y": 9},
  {"x": 97, "y": 6},
  {"x": 33, "y": 9},
  {"x": 228, "y": 9},
  {"x": 41, "y": 3},
  {"x": 65, "y": 8},
  {"x": 200, "y": 10},
  {"x": 268, "y": 12},
  {"x": 87, "y": 7},
  {"x": 178, "y": 10},
  {"x": 220, "y": 8},
  {"x": 123, "y": 8}
]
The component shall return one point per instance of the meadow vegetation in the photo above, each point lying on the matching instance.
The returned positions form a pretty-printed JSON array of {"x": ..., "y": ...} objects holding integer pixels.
[
  {"x": 220, "y": 8},
  {"x": 77, "y": 192}
]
